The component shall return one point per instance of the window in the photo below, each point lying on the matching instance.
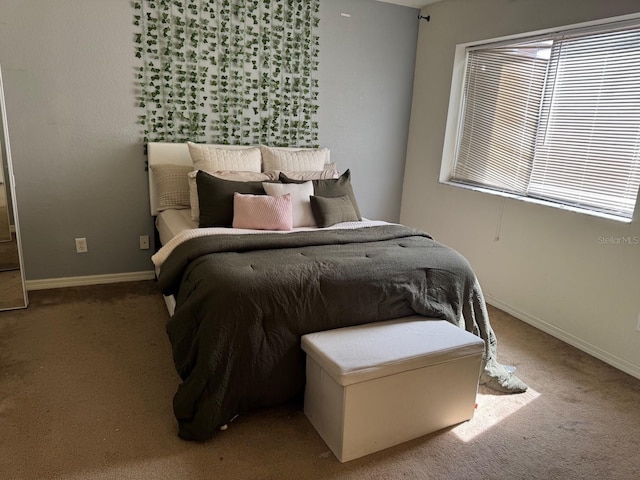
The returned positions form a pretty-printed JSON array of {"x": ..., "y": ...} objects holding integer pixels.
[{"x": 555, "y": 117}]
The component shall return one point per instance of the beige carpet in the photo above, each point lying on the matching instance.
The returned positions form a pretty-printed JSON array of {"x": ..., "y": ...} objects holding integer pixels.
[
  {"x": 5, "y": 232},
  {"x": 5, "y": 227},
  {"x": 11, "y": 292},
  {"x": 86, "y": 382},
  {"x": 9, "y": 259}
]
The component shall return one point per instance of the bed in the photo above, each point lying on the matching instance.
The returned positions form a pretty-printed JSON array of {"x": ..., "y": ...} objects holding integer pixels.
[{"x": 259, "y": 246}]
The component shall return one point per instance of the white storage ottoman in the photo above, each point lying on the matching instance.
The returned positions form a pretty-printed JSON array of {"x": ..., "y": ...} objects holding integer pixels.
[{"x": 376, "y": 385}]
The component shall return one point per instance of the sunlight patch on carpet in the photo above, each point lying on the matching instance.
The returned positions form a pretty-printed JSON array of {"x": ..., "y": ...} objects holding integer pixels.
[{"x": 492, "y": 409}]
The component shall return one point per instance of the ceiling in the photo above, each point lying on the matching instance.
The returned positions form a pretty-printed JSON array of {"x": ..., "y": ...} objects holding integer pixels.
[{"x": 411, "y": 3}]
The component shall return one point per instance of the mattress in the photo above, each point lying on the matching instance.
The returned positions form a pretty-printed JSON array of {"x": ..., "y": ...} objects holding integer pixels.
[{"x": 172, "y": 222}]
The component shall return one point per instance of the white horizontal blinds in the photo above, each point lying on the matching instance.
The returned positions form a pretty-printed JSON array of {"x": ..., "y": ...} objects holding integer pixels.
[
  {"x": 588, "y": 146},
  {"x": 502, "y": 94}
]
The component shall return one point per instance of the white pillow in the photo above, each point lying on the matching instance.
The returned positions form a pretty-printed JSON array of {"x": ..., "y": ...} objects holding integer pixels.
[
  {"x": 300, "y": 200},
  {"x": 233, "y": 176},
  {"x": 294, "y": 159},
  {"x": 214, "y": 158}
]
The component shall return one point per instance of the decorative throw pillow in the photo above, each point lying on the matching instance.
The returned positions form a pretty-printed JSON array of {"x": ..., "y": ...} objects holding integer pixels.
[
  {"x": 235, "y": 176},
  {"x": 300, "y": 193},
  {"x": 331, "y": 188},
  {"x": 329, "y": 211},
  {"x": 293, "y": 159},
  {"x": 262, "y": 212},
  {"x": 215, "y": 198},
  {"x": 171, "y": 185},
  {"x": 214, "y": 158}
]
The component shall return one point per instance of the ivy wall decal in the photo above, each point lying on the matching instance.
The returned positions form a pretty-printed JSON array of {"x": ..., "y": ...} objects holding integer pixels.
[{"x": 228, "y": 71}]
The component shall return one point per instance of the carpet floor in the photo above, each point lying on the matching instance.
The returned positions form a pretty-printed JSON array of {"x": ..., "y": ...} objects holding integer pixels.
[
  {"x": 86, "y": 385},
  {"x": 5, "y": 231},
  {"x": 9, "y": 255}
]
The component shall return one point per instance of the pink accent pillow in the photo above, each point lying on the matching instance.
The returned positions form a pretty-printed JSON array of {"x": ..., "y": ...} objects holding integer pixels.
[{"x": 262, "y": 212}]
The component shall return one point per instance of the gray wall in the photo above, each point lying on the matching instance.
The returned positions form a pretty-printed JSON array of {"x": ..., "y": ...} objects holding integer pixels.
[
  {"x": 366, "y": 78},
  {"x": 68, "y": 68},
  {"x": 569, "y": 274}
]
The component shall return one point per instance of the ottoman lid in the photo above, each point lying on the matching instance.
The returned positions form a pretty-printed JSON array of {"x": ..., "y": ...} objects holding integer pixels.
[{"x": 364, "y": 352}]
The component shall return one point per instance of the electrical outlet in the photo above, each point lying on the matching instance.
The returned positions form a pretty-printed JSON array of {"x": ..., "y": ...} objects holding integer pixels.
[
  {"x": 81, "y": 245},
  {"x": 144, "y": 242}
]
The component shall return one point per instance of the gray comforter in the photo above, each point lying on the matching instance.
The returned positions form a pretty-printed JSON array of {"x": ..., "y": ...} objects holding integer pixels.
[{"x": 244, "y": 301}]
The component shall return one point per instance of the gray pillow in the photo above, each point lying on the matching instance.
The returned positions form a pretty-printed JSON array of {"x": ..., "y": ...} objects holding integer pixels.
[
  {"x": 331, "y": 188},
  {"x": 328, "y": 211},
  {"x": 215, "y": 198}
]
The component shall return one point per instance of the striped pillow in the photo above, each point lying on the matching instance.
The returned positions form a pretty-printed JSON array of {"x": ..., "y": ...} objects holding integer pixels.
[{"x": 262, "y": 212}]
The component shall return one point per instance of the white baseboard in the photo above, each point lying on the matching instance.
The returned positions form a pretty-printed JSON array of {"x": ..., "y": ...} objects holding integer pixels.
[
  {"x": 63, "y": 282},
  {"x": 605, "y": 356}
]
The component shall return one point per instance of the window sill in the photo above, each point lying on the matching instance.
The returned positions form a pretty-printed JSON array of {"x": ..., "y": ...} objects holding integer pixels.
[{"x": 536, "y": 201}]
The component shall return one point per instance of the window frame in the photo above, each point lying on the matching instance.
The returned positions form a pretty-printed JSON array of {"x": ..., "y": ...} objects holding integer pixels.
[{"x": 453, "y": 127}]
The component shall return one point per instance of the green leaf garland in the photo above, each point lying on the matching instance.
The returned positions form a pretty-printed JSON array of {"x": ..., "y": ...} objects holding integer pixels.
[{"x": 228, "y": 71}]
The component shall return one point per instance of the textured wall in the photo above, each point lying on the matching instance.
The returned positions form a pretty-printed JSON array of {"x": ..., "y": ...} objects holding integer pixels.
[
  {"x": 69, "y": 69},
  {"x": 572, "y": 275}
]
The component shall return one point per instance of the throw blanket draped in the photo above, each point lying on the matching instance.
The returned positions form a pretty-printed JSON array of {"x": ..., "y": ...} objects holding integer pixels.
[{"x": 244, "y": 301}]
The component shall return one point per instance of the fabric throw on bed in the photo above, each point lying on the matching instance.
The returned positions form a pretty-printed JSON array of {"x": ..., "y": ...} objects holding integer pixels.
[{"x": 244, "y": 301}]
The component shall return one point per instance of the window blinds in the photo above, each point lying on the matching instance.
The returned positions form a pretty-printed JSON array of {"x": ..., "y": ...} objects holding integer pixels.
[
  {"x": 557, "y": 118},
  {"x": 502, "y": 94}
]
